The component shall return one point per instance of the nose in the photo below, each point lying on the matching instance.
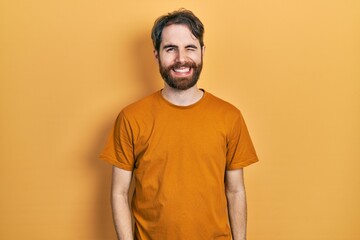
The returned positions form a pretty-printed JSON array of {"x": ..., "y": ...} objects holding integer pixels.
[{"x": 180, "y": 57}]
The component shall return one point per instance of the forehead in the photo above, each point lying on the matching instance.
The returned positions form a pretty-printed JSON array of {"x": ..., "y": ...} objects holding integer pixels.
[{"x": 178, "y": 34}]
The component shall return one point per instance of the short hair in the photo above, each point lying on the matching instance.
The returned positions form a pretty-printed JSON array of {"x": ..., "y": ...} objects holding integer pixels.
[{"x": 181, "y": 16}]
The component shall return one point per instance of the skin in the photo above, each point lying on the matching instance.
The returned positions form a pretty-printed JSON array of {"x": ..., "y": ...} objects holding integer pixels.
[
  {"x": 179, "y": 45},
  {"x": 121, "y": 180},
  {"x": 236, "y": 198}
]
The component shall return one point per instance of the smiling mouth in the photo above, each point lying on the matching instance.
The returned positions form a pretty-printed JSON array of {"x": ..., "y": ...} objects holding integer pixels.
[{"x": 182, "y": 70}]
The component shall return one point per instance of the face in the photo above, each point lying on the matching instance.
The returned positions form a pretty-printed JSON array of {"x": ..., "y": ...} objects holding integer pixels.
[{"x": 179, "y": 57}]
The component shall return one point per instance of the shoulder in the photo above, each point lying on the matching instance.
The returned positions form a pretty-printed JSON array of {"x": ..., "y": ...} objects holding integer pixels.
[
  {"x": 142, "y": 106},
  {"x": 223, "y": 107}
]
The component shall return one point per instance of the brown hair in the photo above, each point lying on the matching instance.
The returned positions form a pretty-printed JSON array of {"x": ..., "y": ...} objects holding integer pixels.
[{"x": 182, "y": 16}]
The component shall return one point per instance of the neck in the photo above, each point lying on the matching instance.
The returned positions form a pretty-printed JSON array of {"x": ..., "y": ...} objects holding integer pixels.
[{"x": 182, "y": 97}]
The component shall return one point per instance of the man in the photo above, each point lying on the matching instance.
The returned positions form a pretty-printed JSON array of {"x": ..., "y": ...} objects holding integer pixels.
[{"x": 185, "y": 147}]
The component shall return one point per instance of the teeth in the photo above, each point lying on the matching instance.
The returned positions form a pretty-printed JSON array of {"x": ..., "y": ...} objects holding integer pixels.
[{"x": 181, "y": 70}]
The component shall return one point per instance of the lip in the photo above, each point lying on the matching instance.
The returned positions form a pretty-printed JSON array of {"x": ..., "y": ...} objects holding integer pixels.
[{"x": 182, "y": 71}]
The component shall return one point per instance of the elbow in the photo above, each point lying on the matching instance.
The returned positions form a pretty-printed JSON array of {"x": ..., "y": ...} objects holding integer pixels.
[{"x": 235, "y": 194}]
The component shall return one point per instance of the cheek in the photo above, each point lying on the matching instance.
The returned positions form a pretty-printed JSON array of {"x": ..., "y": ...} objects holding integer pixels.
[
  {"x": 197, "y": 58},
  {"x": 166, "y": 59},
  {"x": 196, "y": 55}
]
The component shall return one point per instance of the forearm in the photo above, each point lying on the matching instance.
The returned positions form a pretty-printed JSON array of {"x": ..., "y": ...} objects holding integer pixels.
[
  {"x": 122, "y": 216},
  {"x": 237, "y": 214}
]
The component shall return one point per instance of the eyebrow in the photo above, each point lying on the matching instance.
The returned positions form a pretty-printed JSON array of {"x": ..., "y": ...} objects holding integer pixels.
[
  {"x": 174, "y": 46},
  {"x": 191, "y": 46},
  {"x": 169, "y": 46}
]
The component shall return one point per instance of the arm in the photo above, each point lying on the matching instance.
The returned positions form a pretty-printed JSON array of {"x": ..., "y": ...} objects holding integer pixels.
[
  {"x": 236, "y": 198},
  {"x": 120, "y": 206}
]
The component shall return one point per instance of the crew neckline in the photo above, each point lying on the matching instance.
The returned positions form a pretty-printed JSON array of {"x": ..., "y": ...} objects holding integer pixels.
[{"x": 202, "y": 99}]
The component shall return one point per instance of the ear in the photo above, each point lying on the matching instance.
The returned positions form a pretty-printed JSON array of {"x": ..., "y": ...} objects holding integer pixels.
[
  {"x": 203, "y": 50},
  {"x": 156, "y": 54}
]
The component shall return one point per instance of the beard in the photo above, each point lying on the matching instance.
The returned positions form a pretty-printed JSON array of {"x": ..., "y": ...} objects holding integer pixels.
[{"x": 181, "y": 83}]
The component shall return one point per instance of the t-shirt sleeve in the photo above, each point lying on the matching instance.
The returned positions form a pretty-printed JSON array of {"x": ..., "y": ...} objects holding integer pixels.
[
  {"x": 118, "y": 150},
  {"x": 240, "y": 149}
]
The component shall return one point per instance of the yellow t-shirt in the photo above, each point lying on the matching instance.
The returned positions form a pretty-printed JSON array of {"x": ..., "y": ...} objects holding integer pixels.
[{"x": 179, "y": 155}]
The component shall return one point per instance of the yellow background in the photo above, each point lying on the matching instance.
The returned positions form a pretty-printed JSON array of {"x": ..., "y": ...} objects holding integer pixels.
[{"x": 292, "y": 67}]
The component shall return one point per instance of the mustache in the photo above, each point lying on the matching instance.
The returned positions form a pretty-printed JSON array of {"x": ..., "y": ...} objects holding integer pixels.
[{"x": 183, "y": 64}]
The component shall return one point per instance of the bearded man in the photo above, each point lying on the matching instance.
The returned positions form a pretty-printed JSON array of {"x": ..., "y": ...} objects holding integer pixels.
[{"x": 186, "y": 148}]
